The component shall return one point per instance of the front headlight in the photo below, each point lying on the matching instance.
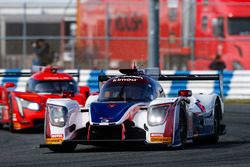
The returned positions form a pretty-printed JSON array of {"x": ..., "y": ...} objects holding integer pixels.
[
  {"x": 21, "y": 103},
  {"x": 57, "y": 115},
  {"x": 28, "y": 104},
  {"x": 157, "y": 114}
]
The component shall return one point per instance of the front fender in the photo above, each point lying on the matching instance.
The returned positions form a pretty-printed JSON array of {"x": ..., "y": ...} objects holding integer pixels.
[
  {"x": 209, "y": 102},
  {"x": 164, "y": 133},
  {"x": 76, "y": 120}
]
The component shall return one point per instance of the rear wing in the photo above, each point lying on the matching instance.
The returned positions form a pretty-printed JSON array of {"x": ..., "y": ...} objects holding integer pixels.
[
  {"x": 17, "y": 73},
  {"x": 189, "y": 77},
  {"x": 196, "y": 77},
  {"x": 73, "y": 73},
  {"x": 102, "y": 78}
]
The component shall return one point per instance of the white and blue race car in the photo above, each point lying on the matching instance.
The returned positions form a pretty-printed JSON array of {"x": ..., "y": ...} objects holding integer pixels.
[{"x": 133, "y": 108}]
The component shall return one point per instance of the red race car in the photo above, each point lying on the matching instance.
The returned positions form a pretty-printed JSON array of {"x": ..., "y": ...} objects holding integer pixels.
[{"x": 21, "y": 110}]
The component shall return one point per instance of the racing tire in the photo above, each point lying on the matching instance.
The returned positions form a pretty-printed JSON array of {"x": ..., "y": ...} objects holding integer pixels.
[
  {"x": 215, "y": 137},
  {"x": 182, "y": 128},
  {"x": 11, "y": 124},
  {"x": 63, "y": 148}
]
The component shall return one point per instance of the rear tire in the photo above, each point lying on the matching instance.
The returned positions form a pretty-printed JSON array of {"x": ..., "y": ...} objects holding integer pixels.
[
  {"x": 63, "y": 148},
  {"x": 215, "y": 137},
  {"x": 182, "y": 128},
  {"x": 11, "y": 124}
]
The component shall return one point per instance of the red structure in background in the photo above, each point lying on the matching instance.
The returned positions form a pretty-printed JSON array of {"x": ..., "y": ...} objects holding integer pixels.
[{"x": 192, "y": 32}]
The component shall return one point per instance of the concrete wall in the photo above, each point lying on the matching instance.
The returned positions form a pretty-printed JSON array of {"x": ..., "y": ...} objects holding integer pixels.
[{"x": 236, "y": 83}]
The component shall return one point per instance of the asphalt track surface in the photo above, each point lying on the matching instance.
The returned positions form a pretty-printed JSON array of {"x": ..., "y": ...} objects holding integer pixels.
[{"x": 22, "y": 149}]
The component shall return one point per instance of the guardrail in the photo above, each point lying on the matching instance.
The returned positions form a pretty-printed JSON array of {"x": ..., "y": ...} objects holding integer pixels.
[{"x": 236, "y": 83}]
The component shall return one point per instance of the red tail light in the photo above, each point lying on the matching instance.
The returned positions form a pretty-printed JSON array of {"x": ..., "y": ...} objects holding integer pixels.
[
  {"x": 186, "y": 93},
  {"x": 9, "y": 85}
]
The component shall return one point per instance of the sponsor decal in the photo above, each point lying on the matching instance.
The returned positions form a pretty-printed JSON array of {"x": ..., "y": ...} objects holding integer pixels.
[
  {"x": 127, "y": 79},
  {"x": 208, "y": 121},
  {"x": 56, "y": 78},
  {"x": 55, "y": 139},
  {"x": 124, "y": 80},
  {"x": 156, "y": 134},
  {"x": 159, "y": 138},
  {"x": 57, "y": 136}
]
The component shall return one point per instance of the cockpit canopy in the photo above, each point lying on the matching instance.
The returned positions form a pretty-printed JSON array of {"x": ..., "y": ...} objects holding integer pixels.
[
  {"x": 51, "y": 86},
  {"x": 128, "y": 88}
]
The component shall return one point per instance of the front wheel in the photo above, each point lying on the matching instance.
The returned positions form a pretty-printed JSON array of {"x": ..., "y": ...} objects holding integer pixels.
[{"x": 63, "y": 148}]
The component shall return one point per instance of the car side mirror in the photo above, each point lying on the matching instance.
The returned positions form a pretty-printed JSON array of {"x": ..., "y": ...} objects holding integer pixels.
[{"x": 9, "y": 85}]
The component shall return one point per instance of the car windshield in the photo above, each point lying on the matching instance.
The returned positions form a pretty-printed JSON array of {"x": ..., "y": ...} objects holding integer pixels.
[
  {"x": 53, "y": 86},
  {"x": 239, "y": 26},
  {"x": 127, "y": 92}
]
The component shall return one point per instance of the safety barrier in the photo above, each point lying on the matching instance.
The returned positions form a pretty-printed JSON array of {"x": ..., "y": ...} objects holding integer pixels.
[{"x": 236, "y": 83}]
